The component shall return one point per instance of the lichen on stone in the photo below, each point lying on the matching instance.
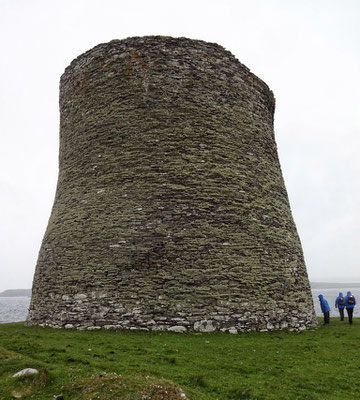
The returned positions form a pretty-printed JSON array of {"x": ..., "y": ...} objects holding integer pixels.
[{"x": 171, "y": 211}]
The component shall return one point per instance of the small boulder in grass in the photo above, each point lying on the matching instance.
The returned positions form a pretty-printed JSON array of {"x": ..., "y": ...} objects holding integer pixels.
[{"x": 26, "y": 371}]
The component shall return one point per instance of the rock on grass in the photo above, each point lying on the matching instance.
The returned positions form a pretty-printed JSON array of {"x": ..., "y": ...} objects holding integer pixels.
[{"x": 26, "y": 371}]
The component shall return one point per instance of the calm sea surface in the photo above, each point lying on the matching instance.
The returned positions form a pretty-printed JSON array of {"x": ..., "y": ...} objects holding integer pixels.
[
  {"x": 13, "y": 309},
  {"x": 330, "y": 295}
]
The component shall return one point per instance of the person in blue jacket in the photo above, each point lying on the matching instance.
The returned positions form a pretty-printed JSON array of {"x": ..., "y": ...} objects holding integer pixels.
[
  {"x": 325, "y": 308},
  {"x": 340, "y": 304},
  {"x": 350, "y": 304}
]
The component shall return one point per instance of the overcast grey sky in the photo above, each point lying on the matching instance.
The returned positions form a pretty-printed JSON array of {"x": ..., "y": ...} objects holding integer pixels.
[{"x": 306, "y": 51}]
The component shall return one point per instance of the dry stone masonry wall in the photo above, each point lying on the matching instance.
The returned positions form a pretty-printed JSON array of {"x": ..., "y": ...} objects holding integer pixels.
[{"x": 170, "y": 211}]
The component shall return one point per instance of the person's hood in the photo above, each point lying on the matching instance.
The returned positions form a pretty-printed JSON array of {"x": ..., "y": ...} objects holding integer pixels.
[
  {"x": 349, "y": 293},
  {"x": 321, "y": 296},
  {"x": 341, "y": 294}
]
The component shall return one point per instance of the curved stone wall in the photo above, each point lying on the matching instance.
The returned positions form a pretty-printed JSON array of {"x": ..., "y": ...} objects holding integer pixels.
[{"x": 171, "y": 210}]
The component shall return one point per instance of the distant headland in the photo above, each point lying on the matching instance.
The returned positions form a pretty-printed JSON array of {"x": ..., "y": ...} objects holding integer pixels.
[
  {"x": 16, "y": 293},
  {"x": 314, "y": 285},
  {"x": 333, "y": 285}
]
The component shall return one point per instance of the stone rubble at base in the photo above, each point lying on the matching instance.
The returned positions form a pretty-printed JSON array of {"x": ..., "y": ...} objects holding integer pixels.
[{"x": 233, "y": 323}]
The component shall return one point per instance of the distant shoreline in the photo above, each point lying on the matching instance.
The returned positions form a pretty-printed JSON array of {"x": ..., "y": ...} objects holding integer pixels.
[
  {"x": 334, "y": 285},
  {"x": 16, "y": 293},
  {"x": 314, "y": 285}
]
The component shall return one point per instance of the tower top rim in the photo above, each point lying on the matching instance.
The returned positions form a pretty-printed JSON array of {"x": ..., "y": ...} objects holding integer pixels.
[{"x": 165, "y": 42}]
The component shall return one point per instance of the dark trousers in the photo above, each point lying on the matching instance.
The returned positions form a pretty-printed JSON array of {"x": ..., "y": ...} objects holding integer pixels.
[
  {"x": 341, "y": 312},
  {"x": 350, "y": 314},
  {"x": 326, "y": 317}
]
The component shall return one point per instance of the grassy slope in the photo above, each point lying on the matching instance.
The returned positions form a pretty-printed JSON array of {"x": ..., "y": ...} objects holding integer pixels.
[{"x": 321, "y": 364}]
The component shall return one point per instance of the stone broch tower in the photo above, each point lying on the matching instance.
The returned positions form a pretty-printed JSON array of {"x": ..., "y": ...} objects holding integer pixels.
[{"x": 170, "y": 211}]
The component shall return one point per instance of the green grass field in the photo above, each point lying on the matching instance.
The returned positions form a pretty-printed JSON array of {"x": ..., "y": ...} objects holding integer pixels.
[{"x": 320, "y": 364}]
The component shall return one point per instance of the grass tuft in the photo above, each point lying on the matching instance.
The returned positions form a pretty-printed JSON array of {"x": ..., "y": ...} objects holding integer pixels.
[{"x": 198, "y": 380}]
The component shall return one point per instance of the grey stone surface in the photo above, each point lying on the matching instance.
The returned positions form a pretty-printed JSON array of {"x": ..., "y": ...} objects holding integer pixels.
[
  {"x": 177, "y": 328},
  {"x": 26, "y": 371},
  {"x": 170, "y": 209}
]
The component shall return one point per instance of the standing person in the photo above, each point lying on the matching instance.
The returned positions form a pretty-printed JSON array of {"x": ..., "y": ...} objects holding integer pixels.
[
  {"x": 350, "y": 304},
  {"x": 340, "y": 304},
  {"x": 325, "y": 308}
]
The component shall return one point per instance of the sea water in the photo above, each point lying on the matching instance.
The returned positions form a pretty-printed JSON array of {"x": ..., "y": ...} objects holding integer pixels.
[
  {"x": 14, "y": 309},
  {"x": 330, "y": 295}
]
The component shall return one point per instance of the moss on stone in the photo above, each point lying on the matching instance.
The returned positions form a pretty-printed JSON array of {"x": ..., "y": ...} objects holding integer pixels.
[{"x": 170, "y": 199}]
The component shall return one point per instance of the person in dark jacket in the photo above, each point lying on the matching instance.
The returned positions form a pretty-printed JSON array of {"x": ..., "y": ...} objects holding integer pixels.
[
  {"x": 340, "y": 304},
  {"x": 325, "y": 308},
  {"x": 350, "y": 304}
]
